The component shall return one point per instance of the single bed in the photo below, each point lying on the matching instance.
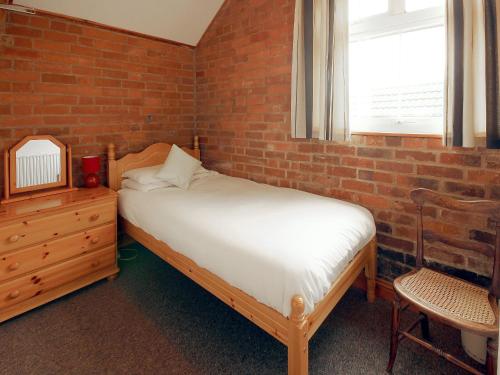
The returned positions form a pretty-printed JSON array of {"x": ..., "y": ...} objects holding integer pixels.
[{"x": 280, "y": 257}]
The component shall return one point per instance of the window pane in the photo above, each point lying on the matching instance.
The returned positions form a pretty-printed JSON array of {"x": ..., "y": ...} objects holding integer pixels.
[
  {"x": 397, "y": 79},
  {"x": 422, "y": 73},
  {"x": 359, "y": 9},
  {"x": 412, "y": 5}
]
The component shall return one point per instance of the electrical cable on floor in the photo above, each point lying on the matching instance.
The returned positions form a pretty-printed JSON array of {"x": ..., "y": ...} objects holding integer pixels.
[{"x": 127, "y": 254}]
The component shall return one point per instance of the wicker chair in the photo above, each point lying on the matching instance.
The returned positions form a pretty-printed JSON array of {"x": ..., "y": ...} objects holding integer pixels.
[{"x": 447, "y": 299}]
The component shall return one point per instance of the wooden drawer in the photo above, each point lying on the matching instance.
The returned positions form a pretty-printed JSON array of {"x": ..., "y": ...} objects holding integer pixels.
[
  {"x": 45, "y": 254},
  {"x": 37, "y": 283},
  {"x": 41, "y": 229}
]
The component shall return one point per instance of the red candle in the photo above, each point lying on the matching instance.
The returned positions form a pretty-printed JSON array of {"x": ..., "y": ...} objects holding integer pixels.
[{"x": 91, "y": 165}]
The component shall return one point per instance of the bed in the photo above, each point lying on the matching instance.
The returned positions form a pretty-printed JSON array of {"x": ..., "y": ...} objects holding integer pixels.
[{"x": 228, "y": 235}]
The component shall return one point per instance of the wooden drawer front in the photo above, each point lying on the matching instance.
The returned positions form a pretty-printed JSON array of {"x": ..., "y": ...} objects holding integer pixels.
[
  {"x": 46, "y": 254},
  {"x": 46, "y": 228},
  {"x": 36, "y": 283}
]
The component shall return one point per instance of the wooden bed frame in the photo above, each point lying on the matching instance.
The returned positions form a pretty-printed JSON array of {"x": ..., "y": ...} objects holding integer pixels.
[{"x": 295, "y": 331}]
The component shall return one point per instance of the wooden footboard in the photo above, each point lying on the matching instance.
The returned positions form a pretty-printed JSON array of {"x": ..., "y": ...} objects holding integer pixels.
[{"x": 295, "y": 331}]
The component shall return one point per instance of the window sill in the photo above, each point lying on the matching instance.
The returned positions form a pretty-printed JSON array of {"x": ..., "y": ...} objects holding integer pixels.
[{"x": 409, "y": 135}]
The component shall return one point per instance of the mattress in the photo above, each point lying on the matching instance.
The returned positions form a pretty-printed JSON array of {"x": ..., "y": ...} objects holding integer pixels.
[{"x": 270, "y": 242}]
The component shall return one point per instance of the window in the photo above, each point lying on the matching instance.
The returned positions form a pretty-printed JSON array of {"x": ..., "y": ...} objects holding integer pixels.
[{"x": 396, "y": 66}]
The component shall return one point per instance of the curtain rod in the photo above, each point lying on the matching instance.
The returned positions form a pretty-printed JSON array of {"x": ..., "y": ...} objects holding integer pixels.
[{"x": 17, "y": 8}]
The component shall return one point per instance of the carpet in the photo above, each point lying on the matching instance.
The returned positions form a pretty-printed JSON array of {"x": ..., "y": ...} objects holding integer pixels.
[{"x": 154, "y": 320}]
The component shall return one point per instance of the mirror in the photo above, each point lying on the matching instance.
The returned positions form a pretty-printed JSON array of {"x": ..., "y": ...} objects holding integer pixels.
[{"x": 38, "y": 162}]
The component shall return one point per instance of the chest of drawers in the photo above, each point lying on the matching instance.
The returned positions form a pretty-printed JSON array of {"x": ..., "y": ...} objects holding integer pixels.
[{"x": 53, "y": 245}]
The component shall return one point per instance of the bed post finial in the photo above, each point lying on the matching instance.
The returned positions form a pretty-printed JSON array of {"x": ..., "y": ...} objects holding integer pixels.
[
  {"x": 196, "y": 147},
  {"x": 113, "y": 179},
  {"x": 111, "y": 151},
  {"x": 298, "y": 348}
]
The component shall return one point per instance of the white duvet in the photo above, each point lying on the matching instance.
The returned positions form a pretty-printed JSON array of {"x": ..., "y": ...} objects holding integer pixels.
[{"x": 270, "y": 242}]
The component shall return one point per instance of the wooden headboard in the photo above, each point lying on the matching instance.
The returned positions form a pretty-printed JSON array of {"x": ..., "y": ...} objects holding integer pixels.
[{"x": 152, "y": 155}]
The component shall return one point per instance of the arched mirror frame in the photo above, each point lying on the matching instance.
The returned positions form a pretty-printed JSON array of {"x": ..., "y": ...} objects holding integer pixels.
[{"x": 12, "y": 192}]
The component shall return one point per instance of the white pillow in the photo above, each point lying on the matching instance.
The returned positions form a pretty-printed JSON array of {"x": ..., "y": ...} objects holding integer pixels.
[
  {"x": 134, "y": 185},
  {"x": 145, "y": 175},
  {"x": 179, "y": 168},
  {"x": 202, "y": 173}
]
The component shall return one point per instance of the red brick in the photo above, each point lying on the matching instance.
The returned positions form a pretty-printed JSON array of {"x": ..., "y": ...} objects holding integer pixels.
[
  {"x": 375, "y": 176},
  {"x": 392, "y": 191},
  {"x": 20, "y": 19},
  {"x": 24, "y": 31},
  {"x": 23, "y": 42},
  {"x": 357, "y": 162},
  {"x": 51, "y": 110},
  {"x": 445, "y": 255},
  {"x": 358, "y": 186},
  {"x": 58, "y": 78},
  {"x": 5, "y": 64},
  {"x": 105, "y": 82},
  {"x": 415, "y": 155},
  {"x": 20, "y": 53},
  {"x": 443, "y": 172},
  {"x": 297, "y": 157},
  {"x": 18, "y": 76},
  {"x": 59, "y": 37},
  {"x": 415, "y": 142},
  {"x": 395, "y": 243},
  {"x": 342, "y": 172},
  {"x": 374, "y": 152},
  {"x": 395, "y": 167},
  {"x": 340, "y": 149},
  {"x": 417, "y": 182},
  {"x": 58, "y": 25},
  {"x": 484, "y": 176},
  {"x": 5, "y": 109},
  {"x": 374, "y": 201},
  {"x": 40, "y": 22},
  {"x": 461, "y": 159},
  {"x": 393, "y": 141},
  {"x": 51, "y": 45}
]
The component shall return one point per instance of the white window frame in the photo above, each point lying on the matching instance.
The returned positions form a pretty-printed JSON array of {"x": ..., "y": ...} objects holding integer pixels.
[{"x": 395, "y": 21}]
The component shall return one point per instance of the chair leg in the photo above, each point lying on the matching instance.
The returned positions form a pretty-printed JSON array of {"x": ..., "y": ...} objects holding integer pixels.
[
  {"x": 491, "y": 356},
  {"x": 396, "y": 310},
  {"x": 424, "y": 326}
]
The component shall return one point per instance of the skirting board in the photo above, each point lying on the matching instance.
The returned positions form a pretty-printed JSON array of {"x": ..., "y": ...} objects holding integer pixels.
[{"x": 383, "y": 290}]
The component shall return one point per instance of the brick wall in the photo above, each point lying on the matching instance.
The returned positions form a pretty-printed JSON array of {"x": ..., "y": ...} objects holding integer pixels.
[
  {"x": 89, "y": 86},
  {"x": 243, "y": 67}
]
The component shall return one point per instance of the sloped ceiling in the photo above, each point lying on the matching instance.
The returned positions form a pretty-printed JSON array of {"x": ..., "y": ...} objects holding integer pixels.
[{"x": 182, "y": 21}]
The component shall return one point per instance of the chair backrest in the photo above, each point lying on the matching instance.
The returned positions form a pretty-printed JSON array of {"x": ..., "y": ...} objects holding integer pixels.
[{"x": 490, "y": 208}]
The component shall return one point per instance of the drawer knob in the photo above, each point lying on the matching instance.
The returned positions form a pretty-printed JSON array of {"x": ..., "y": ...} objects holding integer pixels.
[
  {"x": 14, "y": 238},
  {"x": 94, "y": 217},
  {"x": 14, "y": 294},
  {"x": 14, "y": 266},
  {"x": 94, "y": 240}
]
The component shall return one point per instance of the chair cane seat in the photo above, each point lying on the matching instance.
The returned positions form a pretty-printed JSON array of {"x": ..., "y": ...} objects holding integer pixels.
[{"x": 448, "y": 296}]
